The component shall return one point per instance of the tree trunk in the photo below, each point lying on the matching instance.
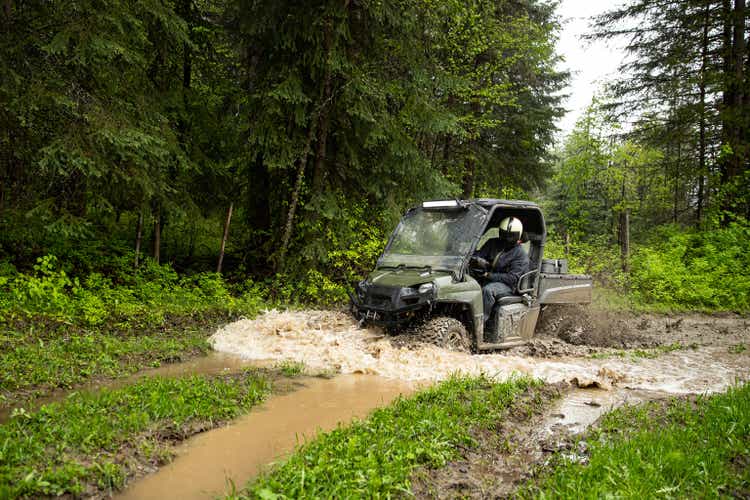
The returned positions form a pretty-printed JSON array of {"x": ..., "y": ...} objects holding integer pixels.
[
  {"x": 8, "y": 9},
  {"x": 301, "y": 163},
  {"x": 738, "y": 45},
  {"x": 702, "y": 125},
  {"x": 624, "y": 227},
  {"x": 191, "y": 243},
  {"x": 727, "y": 88},
  {"x": 470, "y": 166},
  {"x": 324, "y": 119},
  {"x": 676, "y": 186},
  {"x": 224, "y": 238},
  {"x": 157, "y": 237},
  {"x": 138, "y": 236},
  {"x": 625, "y": 239}
]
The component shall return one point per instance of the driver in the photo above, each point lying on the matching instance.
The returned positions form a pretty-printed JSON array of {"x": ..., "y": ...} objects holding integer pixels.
[{"x": 506, "y": 262}]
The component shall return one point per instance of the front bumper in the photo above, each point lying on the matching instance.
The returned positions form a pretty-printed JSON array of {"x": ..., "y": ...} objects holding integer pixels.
[{"x": 389, "y": 306}]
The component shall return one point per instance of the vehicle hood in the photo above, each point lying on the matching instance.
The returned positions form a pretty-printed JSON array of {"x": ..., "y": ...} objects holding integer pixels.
[{"x": 404, "y": 277}]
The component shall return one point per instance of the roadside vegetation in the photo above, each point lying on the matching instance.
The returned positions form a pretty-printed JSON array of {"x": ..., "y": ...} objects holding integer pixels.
[
  {"x": 683, "y": 448},
  {"x": 58, "y": 330},
  {"x": 92, "y": 443},
  {"x": 375, "y": 457},
  {"x": 674, "y": 270}
]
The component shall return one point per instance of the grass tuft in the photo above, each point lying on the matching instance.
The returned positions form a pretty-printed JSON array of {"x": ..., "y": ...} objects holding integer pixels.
[{"x": 291, "y": 368}]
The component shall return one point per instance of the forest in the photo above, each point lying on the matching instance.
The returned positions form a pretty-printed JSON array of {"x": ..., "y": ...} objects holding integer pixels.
[
  {"x": 280, "y": 142},
  {"x": 170, "y": 166}
]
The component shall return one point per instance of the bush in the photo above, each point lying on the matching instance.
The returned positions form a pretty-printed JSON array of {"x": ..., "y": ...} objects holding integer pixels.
[
  {"x": 595, "y": 256},
  {"x": 695, "y": 269}
]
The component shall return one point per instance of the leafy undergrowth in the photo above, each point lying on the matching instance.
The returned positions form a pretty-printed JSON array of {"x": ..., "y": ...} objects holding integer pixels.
[
  {"x": 375, "y": 457},
  {"x": 683, "y": 448},
  {"x": 91, "y": 443},
  {"x": 58, "y": 331},
  {"x": 39, "y": 355}
]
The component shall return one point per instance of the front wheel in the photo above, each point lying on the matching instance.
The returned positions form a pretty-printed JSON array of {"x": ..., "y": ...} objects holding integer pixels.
[{"x": 446, "y": 332}]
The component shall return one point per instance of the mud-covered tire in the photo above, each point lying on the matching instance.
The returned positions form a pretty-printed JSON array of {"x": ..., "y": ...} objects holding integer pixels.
[{"x": 446, "y": 332}]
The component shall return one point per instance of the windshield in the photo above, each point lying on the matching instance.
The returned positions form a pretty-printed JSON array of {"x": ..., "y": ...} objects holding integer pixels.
[{"x": 436, "y": 238}]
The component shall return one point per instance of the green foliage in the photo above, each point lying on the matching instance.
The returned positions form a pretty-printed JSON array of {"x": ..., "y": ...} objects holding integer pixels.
[
  {"x": 59, "y": 331},
  {"x": 152, "y": 290},
  {"x": 685, "y": 450},
  {"x": 374, "y": 457},
  {"x": 64, "y": 447},
  {"x": 695, "y": 269}
]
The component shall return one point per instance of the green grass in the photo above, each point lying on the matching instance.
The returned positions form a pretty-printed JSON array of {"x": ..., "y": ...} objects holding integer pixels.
[
  {"x": 89, "y": 441},
  {"x": 687, "y": 449},
  {"x": 738, "y": 348},
  {"x": 291, "y": 368},
  {"x": 375, "y": 457},
  {"x": 39, "y": 356}
]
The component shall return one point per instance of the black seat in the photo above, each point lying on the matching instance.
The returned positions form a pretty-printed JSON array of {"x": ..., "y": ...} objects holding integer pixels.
[{"x": 509, "y": 299}]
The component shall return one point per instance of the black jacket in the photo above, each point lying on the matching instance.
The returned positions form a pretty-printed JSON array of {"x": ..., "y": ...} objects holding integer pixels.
[{"x": 510, "y": 266}]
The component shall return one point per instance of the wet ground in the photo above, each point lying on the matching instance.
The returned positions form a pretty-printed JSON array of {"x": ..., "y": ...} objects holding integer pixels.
[
  {"x": 685, "y": 354},
  {"x": 208, "y": 464},
  {"x": 593, "y": 362}
]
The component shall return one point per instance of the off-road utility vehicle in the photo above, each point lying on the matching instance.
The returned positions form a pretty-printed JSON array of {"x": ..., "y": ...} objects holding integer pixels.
[{"x": 424, "y": 278}]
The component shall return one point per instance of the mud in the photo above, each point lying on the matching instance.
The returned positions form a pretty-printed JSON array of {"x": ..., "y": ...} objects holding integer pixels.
[
  {"x": 539, "y": 426},
  {"x": 207, "y": 465},
  {"x": 578, "y": 330},
  {"x": 589, "y": 360},
  {"x": 505, "y": 453}
]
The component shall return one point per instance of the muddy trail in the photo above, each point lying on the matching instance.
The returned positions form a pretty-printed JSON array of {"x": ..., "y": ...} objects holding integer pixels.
[{"x": 592, "y": 363}]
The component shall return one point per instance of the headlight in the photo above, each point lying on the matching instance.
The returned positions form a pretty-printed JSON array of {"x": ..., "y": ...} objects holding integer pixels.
[
  {"x": 405, "y": 292},
  {"x": 426, "y": 287},
  {"x": 361, "y": 289}
]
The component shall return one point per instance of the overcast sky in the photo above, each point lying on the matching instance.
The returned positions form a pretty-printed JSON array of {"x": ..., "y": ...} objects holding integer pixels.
[{"x": 589, "y": 63}]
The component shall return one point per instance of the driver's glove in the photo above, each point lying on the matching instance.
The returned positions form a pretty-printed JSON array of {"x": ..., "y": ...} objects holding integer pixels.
[{"x": 479, "y": 262}]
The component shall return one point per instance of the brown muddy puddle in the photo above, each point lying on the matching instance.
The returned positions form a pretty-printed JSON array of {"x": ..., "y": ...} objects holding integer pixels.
[{"x": 207, "y": 463}]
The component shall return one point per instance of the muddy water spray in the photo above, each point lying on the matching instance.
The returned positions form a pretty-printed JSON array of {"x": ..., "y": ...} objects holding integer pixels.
[{"x": 328, "y": 340}]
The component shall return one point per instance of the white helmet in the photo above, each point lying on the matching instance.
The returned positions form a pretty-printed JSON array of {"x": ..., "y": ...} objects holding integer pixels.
[{"x": 510, "y": 229}]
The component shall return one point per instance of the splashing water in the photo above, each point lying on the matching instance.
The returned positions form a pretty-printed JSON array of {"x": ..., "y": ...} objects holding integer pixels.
[{"x": 329, "y": 340}]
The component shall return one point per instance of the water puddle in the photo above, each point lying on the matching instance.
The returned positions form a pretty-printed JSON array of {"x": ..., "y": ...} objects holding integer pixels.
[
  {"x": 205, "y": 464},
  {"x": 577, "y": 410}
]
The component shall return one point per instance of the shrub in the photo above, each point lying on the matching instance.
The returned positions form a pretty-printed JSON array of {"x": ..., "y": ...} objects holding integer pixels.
[{"x": 695, "y": 269}]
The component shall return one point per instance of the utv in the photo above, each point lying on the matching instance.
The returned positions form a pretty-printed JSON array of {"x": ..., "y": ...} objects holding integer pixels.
[{"x": 424, "y": 275}]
